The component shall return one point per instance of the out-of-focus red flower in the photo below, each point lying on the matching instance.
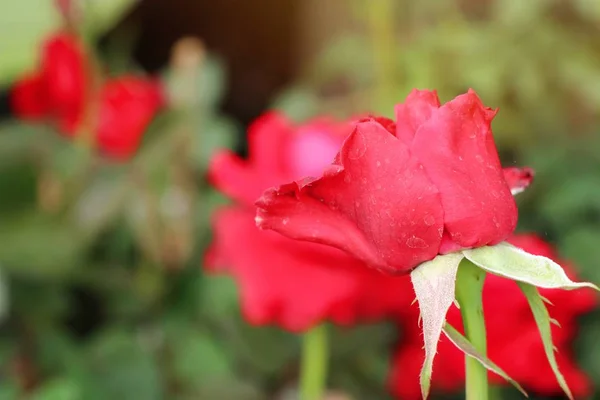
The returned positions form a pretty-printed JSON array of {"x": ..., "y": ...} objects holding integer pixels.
[
  {"x": 25, "y": 99},
  {"x": 397, "y": 195},
  {"x": 282, "y": 281},
  {"x": 127, "y": 106},
  {"x": 64, "y": 79},
  {"x": 58, "y": 92},
  {"x": 514, "y": 342}
]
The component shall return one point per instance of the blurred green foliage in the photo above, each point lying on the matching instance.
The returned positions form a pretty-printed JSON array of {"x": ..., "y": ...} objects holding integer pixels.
[{"x": 101, "y": 290}]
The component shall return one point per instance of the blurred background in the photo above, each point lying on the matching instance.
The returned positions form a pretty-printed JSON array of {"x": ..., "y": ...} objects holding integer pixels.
[{"x": 102, "y": 294}]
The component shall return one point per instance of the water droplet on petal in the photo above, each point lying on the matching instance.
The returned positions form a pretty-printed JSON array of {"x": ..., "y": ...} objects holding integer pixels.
[
  {"x": 285, "y": 221},
  {"x": 347, "y": 178},
  {"x": 379, "y": 163},
  {"x": 479, "y": 158},
  {"x": 416, "y": 243},
  {"x": 429, "y": 220}
]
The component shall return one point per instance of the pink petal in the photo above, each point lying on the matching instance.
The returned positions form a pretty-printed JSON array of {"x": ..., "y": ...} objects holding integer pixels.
[
  {"x": 418, "y": 107},
  {"x": 378, "y": 205},
  {"x": 457, "y": 149}
]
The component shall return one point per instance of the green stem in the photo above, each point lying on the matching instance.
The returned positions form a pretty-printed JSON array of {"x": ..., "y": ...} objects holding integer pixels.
[
  {"x": 469, "y": 288},
  {"x": 313, "y": 374},
  {"x": 381, "y": 31}
]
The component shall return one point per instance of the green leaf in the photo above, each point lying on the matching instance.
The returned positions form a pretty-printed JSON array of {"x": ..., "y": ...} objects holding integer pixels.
[
  {"x": 120, "y": 366},
  {"x": 100, "y": 16},
  {"x": 434, "y": 283},
  {"x": 466, "y": 347},
  {"x": 23, "y": 25},
  {"x": 59, "y": 389},
  {"x": 543, "y": 321},
  {"x": 37, "y": 246},
  {"x": 511, "y": 262}
]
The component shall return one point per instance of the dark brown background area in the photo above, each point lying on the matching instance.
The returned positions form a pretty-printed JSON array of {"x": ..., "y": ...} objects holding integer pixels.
[{"x": 255, "y": 39}]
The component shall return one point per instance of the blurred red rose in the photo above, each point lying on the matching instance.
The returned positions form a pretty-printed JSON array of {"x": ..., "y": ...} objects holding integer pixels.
[
  {"x": 127, "y": 106},
  {"x": 398, "y": 194},
  {"x": 58, "y": 92},
  {"x": 282, "y": 281},
  {"x": 58, "y": 87},
  {"x": 514, "y": 342}
]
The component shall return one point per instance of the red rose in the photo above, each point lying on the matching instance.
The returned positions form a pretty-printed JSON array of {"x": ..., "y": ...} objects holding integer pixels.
[
  {"x": 514, "y": 342},
  {"x": 58, "y": 92},
  {"x": 127, "y": 106},
  {"x": 64, "y": 78},
  {"x": 398, "y": 194},
  {"x": 290, "y": 283},
  {"x": 25, "y": 100},
  {"x": 57, "y": 88}
]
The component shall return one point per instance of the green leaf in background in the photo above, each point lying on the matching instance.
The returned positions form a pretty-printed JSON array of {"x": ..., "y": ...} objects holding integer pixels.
[
  {"x": 35, "y": 245},
  {"x": 58, "y": 389},
  {"x": 542, "y": 319},
  {"x": 119, "y": 366},
  {"x": 23, "y": 25},
  {"x": 215, "y": 134},
  {"x": 100, "y": 16}
]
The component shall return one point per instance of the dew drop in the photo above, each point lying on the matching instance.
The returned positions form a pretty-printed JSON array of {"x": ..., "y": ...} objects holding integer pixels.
[
  {"x": 416, "y": 243},
  {"x": 429, "y": 220},
  {"x": 379, "y": 163},
  {"x": 479, "y": 158},
  {"x": 460, "y": 158},
  {"x": 285, "y": 221},
  {"x": 358, "y": 147}
]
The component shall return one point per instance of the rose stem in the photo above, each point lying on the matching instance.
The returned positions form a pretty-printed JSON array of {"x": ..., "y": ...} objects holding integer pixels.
[
  {"x": 469, "y": 289},
  {"x": 313, "y": 374}
]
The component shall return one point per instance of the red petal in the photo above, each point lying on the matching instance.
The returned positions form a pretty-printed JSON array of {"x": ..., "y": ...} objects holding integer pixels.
[
  {"x": 289, "y": 283},
  {"x": 235, "y": 177},
  {"x": 518, "y": 179},
  {"x": 128, "y": 105},
  {"x": 457, "y": 149},
  {"x": 64, "y": 75},
  {"x": 26, "y": 99},
  {"x": 418, "y": 107},
  {"x": 267, "y": 136},
  {"x": 378, "y": 205}
]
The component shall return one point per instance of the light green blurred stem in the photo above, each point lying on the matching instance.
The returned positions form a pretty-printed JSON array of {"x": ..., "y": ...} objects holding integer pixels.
[
  {"x": 315, "y": 354},
  {"x": 380, "y": 15},
  {"x": 469, "y": 288}
]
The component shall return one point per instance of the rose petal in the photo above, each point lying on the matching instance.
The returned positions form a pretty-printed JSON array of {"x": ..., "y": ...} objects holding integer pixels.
[
  {"x": 414, "y": 112},
  {"x": 291, "y": 283},
  {"x": 518, "y": 179},
  {"x": 377, "y": 205},
  {"x": 458, "y": 152},
  {"x": 267, "y": 137},
  {"x": 234, "y": 177}
]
